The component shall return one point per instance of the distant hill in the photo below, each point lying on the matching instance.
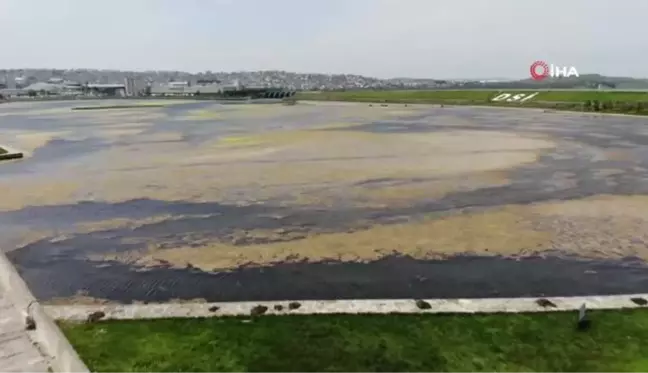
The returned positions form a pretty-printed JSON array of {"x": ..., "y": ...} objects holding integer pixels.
[{"x": 313, "y": 81}]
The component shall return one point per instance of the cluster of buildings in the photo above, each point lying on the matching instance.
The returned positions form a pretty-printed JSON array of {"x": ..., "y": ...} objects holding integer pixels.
[
  {"x": 169, "y": 82},
  {"x": 22, "y": 87},
  {"x": 133, "y": 87},
  {"x": 96, "y": 82},
  {"x": 215, "y": 88}
]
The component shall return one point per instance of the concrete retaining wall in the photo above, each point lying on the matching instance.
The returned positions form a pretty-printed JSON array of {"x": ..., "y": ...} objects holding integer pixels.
[
  {"x": 52, "y": 341},
  {"x": 10, "y": 154}
]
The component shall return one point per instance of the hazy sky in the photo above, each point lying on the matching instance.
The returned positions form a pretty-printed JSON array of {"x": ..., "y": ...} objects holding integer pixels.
[{"x": 383, "y": 38}]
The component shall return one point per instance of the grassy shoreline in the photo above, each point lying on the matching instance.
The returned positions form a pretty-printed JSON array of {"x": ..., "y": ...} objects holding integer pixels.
[
  {"x": 620, "y": 102},
  {"x": 495, "y": 342}
]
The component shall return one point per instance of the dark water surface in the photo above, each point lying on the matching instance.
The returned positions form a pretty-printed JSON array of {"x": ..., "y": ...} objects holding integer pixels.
[{"x": 392, "y": 277}]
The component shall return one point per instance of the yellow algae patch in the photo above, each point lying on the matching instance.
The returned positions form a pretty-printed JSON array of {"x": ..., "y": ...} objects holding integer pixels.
[
  {"x": 82, "y": 299},
  {"x": 257, "y": 111},
  {"x": 126, "y": 223},
  {"x": 293, "y": 138},
  {"x": 282, "y": 137},
  {"x": 245, "y": 108},
  {"x": 631, "y": 207},
  {"x": 334, "y": 126},
  {"x": 79, "y": 300},
  {"x": 30, "y": 141},
  {"x": 240, "y": 141},
  {"x": 400, "y": 112},
  {"x": 118, "y": 132},
  {"x": 18, "y": 194},
  {"x": 266, "y": 165},
  {"x": 354, "y": 142},
  {"x": 31, "y": 112},
  {"x": 121, "y": 223},
  {"x": 284, "y": 159},
  {"x": 567, "y": 227},
  {"x": 273, "y": 174},
  {"x": 383, "y": 197},
  {"x": 110, "y": 117},
  {"x": 497, "y": 232},
  {"x": 19, "y": 237},
  {"x": 353, "y": 156},
  {"x": 163, "y": 137},
  {"x": 412, "y": 193},
  {"x": 128, "y": 125},
  {"x": 204, "y": 114},
  {"x": 605, "y": 226},
  {"x": 479, "y": 141},
  {"x": 237, "y": 154},
  {"x": 158, "y": 184},
  {"x": 396, "y": 190}
]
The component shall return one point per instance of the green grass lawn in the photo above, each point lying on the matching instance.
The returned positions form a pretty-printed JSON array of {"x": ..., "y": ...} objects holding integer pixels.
[
  {"x": 616, "y": 341},
  {"x": 471, "y": 96},
  {"x": 399, "y": 96},
  {"x": 580, "y": 96}
]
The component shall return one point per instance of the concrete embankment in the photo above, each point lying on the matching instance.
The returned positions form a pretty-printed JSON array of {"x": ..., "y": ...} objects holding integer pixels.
[
  {"x": 7, "y": 153},
  {"x": 49, "y": 344}
]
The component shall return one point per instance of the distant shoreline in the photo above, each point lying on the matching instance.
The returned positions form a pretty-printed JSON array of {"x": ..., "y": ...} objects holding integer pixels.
[
  {"x": 609, "y": 102},
  {"x": 157, "y": 98}
]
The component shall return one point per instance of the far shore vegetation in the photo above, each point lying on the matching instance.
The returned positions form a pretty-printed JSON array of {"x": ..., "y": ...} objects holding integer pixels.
[{"x": 622, "y": 102}]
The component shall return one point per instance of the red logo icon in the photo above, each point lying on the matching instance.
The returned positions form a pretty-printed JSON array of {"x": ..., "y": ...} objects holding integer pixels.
[{"x": 544, "y": 70}]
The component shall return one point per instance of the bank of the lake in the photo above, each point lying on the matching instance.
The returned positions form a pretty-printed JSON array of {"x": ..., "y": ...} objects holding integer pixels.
[
  {"x": 496, "y": 342},
  {"x": 623, "y": 102},
  {"x": 8, "y": 154}
]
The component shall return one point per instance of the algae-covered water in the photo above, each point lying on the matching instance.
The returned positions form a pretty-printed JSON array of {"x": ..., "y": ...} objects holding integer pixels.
[{"x": 200, "y": 200}]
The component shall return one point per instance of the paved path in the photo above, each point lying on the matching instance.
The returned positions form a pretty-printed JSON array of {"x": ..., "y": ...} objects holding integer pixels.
[{"x": 17, "y": 352}]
